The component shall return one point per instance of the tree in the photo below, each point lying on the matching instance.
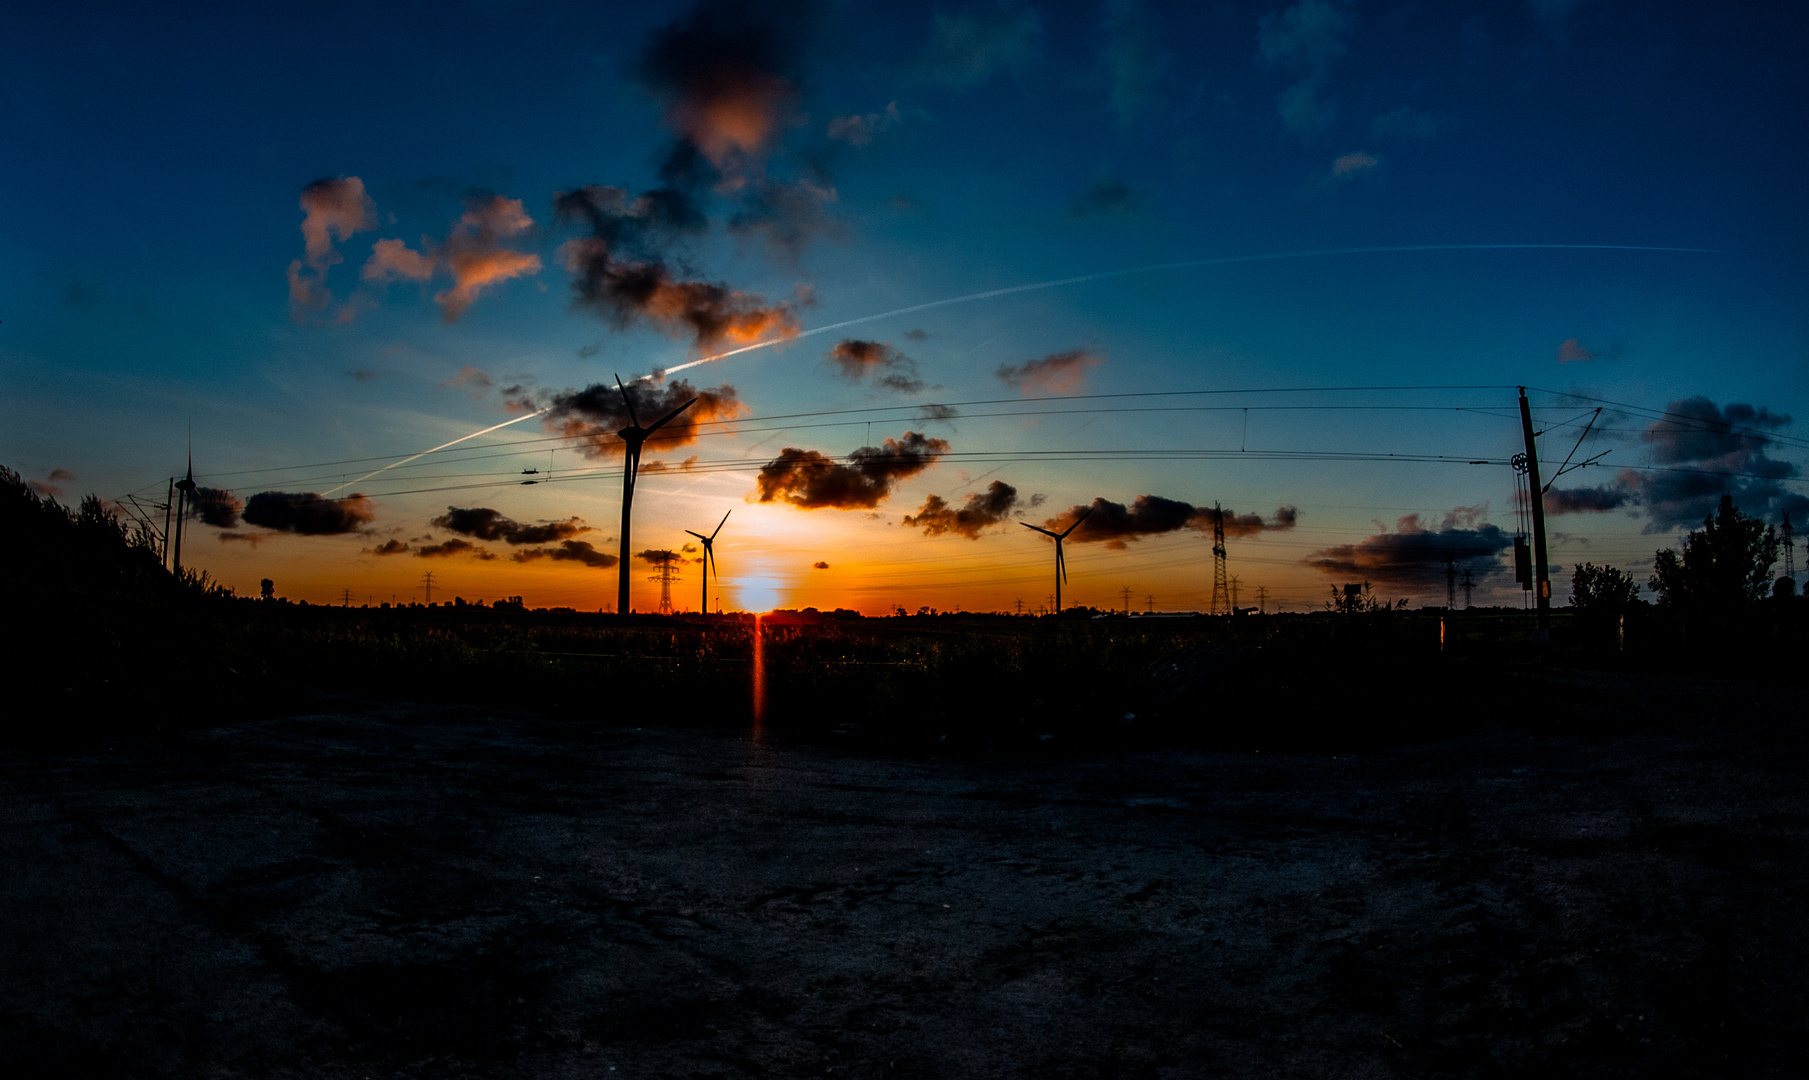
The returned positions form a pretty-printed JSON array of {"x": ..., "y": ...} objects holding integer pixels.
[
  {"x": 267, "y": 589},
  {"x": 1602, "y": 588},
  {"x": 1725, "y": 564}
]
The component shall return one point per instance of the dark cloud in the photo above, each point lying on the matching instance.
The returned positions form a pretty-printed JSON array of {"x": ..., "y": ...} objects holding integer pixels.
[
  {"x": 578, "y": 551},
  {"x": 666, "y": 466},
  {"x": 471, "y": 377},
  {"x": 819, "y": 566},
  {"x": 1057, "y": 373},
  {"x": 967, "y": 46},
  {"x": 786, "y": 215},
  {"x": 51, "y": 486},
  {"x": 1105, "y": 196},
  {"x": 945, "y": 413},
  {"x": 487, "y": 524},
  {"x": 308, "y": 514},
  {"x": 450, "y": 548},
  {"x": 659, "y": 556},
  {"x": 254, "y": 539},
  {"x": 916, "y": 335},
  {"x": 363, "y": 374},
  {"x": 856, "y": 360},
  {"x": 1114, "y": 524},
  {"x": 1704, "y": 451},
  {"x": 594, "y": 414},
  {"x": 1415, "y": 555},
  {"x": 390, "y": 547},
  {"x": 216, "y": 507},
  {"x": 1593, "y": 500},
  {"x": 993, "y": 506},
  {"x": 811, "y": 480}
]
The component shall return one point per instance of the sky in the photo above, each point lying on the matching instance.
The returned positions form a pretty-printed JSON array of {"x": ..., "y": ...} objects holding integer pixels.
[{"x": 939, "y": 271}]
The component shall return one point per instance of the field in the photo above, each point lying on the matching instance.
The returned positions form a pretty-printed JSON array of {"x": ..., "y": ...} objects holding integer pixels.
[{"x": 389, "y": 889}]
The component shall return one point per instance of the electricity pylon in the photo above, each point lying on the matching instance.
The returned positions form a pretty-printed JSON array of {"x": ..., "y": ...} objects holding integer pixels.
[{"x": 1220, "y": 591}]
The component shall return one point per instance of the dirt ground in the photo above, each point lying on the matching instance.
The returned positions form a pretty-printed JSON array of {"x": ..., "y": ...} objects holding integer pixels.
[{"x": 436, "y": 892}]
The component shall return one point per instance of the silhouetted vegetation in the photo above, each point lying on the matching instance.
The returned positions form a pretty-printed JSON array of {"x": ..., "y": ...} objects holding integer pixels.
[
  {"x": 1726, "y": 564},
  {"x": 1603, "y": 590},
  {"x": 111, "y": 639}
]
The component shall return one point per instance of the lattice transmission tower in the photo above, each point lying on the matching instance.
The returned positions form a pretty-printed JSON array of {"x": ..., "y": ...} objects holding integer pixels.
[
  {"x": 665, "y": 577},
  {"x": 1220, "y": 591},
  {"x": 1789, "y": 548}
]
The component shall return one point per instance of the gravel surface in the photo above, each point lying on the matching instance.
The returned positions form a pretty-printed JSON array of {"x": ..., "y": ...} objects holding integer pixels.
[{"x": 434, "y": 892}]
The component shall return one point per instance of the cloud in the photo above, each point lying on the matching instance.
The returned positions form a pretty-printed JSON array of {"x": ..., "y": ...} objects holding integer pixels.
[
  {"x": 968, "y": 46},
  {"x": 578, "y": 551},
  {"x": 1352, "y": 164},
  {"x": 451, "y": 548},
  {"x": 785, "y": 215},
  {"x": 1057, "y": 373},
  {"x": 254, "y": 539},
  {"x": 216, "y": 507},
  {"x": 1129, "y": 55},
  {"x": 727, "y": 76},
  {"x": 1105, "y": 196},
  {"x": 937, "y": 413},
  {"x": 1595, "y": 500},
  {"x": 859, "y": 130},
  {"x": 487, "y": 524},
  {"x": 389, "y": 547},
  {"x": 1415, "y": 555},
  {"x": 812, "y": 481},
  {"x": 333, "y": 208},
  {"x": 1697, "y": 435},
  {"x": 1572, "y": 352},
  {"x": 307, "y": 514},
  {"x": 475, "y": 255},
  {"x": 594, "y": 414},
  {"x": 362, "y": 374},
  {"x": 659, "y": 557},
  {"x": 856, "y": 360},
  {"x": 666, "y": 466},
  {"x": 51, "y": 486},
  {"x": 472, "y": 377},
  {"x": 1311, "y": 34},
  {"x": 982, "y": 509},
  {"x": 916, "y": 335},
  {"x": 394, "y": 260},
  {"x": 1114, "y": 524},
  {"x": 819, "y": 565}
]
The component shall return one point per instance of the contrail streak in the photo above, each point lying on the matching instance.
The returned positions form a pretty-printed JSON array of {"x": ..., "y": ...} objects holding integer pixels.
[
  {"x": 442, "y": 446},
  {"x": 1227, "y": 260}
]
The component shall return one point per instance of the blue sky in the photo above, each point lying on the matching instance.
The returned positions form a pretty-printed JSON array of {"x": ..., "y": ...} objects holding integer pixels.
[{"x": 903, "y": 154}]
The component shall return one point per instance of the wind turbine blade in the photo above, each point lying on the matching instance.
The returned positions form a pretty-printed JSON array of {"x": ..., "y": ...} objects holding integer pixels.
[
  {"x": 664, "y": 420},
  {"x": 711, "y": 555},
  {"x": 719, "y": 524},
  {"x": 1027, "y": 525},
  {"x": 700, "y": 536},
  {"x": 1077, "y": 521},
  {"x": 632, "y": 418},
  {"x": 1061, "y": 562}
]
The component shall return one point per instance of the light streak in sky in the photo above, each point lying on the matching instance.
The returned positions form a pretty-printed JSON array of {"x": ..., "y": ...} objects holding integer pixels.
[
  {"x": 442, "y": 446},
  {"x": 1224, "y": 260}
]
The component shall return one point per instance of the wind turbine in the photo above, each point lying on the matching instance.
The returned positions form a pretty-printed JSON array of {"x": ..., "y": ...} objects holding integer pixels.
[
  {"x": 634, "y": 435},
  {"x": 1061, "y": 564},
  {"x": 709, "y": 559},
  {"x": 185, "y": 500}
]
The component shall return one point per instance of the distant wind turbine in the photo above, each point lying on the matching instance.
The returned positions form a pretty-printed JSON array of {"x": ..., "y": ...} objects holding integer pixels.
[
  {"x": 634, "y": 435},
  {"x": 1061, "y": 563},
  {"x": 709, "y": 559}
]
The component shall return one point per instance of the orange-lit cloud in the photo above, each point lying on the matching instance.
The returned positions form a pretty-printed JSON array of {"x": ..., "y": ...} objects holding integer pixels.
[
  {"x": 1570, "y": 352},
  {"x": 722, "y": 71},
  {"x": 810, "y": 480},
  {"x": 666, "y": 466},
  {"x": 1057, "y": 373},
  {"x": 982, "y": 509},
  {"x": 712, "y": 315},
  {"x": 475, "y": 256},
  {"x": 594, "y": 414},
  {"x": 393, "y": 260},
  {"x": 451, "y": 548},
  {"x": 51, "y": 486},
  {"x": 334, "y": 208}
]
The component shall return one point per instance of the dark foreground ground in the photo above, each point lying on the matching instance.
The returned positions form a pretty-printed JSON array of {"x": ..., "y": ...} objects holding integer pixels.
[{"x": 435, "y": 892}]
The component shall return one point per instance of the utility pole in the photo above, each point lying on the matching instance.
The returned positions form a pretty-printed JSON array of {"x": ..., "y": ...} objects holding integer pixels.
[
  {"x": 1536, "y": 497},
  {"x": 169, "y": 504},
  {"x": 427, "y": 584},
  {"x": 345, "y": 598},
  {"x": 1219, "y": 591}
]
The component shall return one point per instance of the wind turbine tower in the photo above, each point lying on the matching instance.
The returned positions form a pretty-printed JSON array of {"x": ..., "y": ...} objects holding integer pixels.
[
  {"x": 1220, "y": 591},
  {"x": 709, "y": 566},
  {"x": 1061, "y": 564},
  {"x": 634, "y": 435}
]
